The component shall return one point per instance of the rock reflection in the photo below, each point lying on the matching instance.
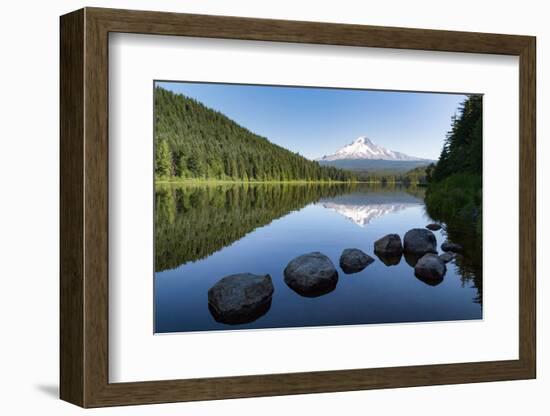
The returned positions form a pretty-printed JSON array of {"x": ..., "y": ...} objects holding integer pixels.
[
  {"x": 314, "y": 292},
  {"x": 243, "y": 318},
  {"x": 431, "y": 281},
  {"x": 389, "y": 259},
  {"x": 412, "y": 258}
]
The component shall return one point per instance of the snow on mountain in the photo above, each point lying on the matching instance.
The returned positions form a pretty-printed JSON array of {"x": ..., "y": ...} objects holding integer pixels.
[
  {"x": 362, "y": 215},
  {"x": 364, "y": 148}
]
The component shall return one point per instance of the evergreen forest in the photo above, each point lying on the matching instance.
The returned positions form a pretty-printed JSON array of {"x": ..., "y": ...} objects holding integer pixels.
[
  {"x": 455, "y": 182},
  {"x": 193, "y": 141}
]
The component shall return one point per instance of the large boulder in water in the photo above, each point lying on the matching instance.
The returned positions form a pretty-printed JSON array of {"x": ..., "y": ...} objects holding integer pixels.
[
  {"x": 354, "y": 260},
  {"x": 389, "y": 244},
  {"x": 311, "y": 275},
  {"x": 240, "y": 298},
  {"x": 454, "y": 247},
  {"x": 430, "y": 269},
  {"x": 419, "y": 241}
]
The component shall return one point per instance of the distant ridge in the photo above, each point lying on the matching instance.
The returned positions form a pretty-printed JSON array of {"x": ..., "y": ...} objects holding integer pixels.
[{"x": 363, "y": 155}]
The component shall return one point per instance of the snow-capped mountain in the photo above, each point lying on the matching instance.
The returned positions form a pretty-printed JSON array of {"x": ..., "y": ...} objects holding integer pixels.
[{"x": 364, "y": 148}]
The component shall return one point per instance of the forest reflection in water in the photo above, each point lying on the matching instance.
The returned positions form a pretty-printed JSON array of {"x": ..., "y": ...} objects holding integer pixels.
[
  {"x": 198, "y": 226},
  {"x": 194, "y": 221}
]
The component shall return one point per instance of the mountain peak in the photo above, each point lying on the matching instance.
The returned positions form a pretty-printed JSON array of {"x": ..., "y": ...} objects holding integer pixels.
[
  {"x": 365, "y": 148},
  {"x": 362, "y": 140}
]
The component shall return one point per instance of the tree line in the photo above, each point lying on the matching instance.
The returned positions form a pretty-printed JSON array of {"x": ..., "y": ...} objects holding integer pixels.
[
  {"x": 196, "y": 142},
  {"x": 454, "y": 191},
  {"x": 462, "y": 149},
  {"x": 416, "y": 176},
  {"x": 455, "y": 182}
]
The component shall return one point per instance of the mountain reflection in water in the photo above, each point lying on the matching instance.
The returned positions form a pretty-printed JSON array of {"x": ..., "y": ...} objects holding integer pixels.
[
  {"x": 363, "y": 207},
  {"x": 362, "y": 215}
]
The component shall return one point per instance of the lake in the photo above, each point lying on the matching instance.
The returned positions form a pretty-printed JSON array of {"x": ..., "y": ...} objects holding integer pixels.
[{"x": 206, "y": 232}]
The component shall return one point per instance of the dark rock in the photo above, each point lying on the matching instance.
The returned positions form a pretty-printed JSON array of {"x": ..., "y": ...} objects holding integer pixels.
[
  {"x": 430, "y": 269},
  {"x": 433, "y": 226},
  {"x": 354, "y": 260},
  {"x": 455, "y": 248},
  {"x": 389, "y": 259},
  {"x": 389, "y": 244},
  {"x": 311, "y": 275},
  {"x": 419, "y": 241},
  {"x": 447, "y": 257},
  {"x": 412, "y": 258},
  {"x": 240, "y": 298}
]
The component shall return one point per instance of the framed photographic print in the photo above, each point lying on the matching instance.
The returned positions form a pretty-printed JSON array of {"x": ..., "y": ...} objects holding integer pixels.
[{"x": 255, "y": 207}]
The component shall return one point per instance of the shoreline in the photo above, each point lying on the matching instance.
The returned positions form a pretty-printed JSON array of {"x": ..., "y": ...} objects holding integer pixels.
[{"x": 244, "y": 182}]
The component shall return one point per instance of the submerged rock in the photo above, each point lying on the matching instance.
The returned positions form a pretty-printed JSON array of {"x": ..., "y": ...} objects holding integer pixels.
[
  {"x": 311, "y": 275},
  {"x": 354, "y": 260},
  {"x": 419, "y": 241},
  {"x": 447, "y": 246},
  {"x": 447, "y": 257},
  {"x": 389, "y": 244},
  {"x": 240, "y": 298},
  {"x": 389, "y": 259},
  {"x": 430, "y": 269},
  {"x": 433, "y": 226}
]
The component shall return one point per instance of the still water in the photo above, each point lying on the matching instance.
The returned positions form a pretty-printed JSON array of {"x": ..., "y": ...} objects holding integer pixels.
[{"x": 203, "y": 233}]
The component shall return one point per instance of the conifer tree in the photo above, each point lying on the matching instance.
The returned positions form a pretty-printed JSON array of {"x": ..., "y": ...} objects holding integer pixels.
[{"x": 163, "y": 162}]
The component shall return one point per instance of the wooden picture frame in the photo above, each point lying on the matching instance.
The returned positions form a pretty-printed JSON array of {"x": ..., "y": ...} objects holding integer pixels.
[{"x": 84, "y": 207}]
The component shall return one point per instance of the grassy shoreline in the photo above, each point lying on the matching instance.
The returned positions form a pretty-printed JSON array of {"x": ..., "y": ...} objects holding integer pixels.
[
  {"x": 237, "y": 181},
  {"x": 180, "y": 181}
]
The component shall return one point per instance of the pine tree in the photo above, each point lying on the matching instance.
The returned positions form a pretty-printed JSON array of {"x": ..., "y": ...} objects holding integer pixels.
[{"x": 163, "y": 162}]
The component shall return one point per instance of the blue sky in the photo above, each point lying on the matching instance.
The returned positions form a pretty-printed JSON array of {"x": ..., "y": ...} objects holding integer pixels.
[{"x": 319, "y": 121}]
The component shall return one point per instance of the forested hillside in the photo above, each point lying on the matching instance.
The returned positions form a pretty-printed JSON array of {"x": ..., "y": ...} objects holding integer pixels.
[
  {"x": 196, "y": 142},
  {"x": 454, "y": 191}
]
